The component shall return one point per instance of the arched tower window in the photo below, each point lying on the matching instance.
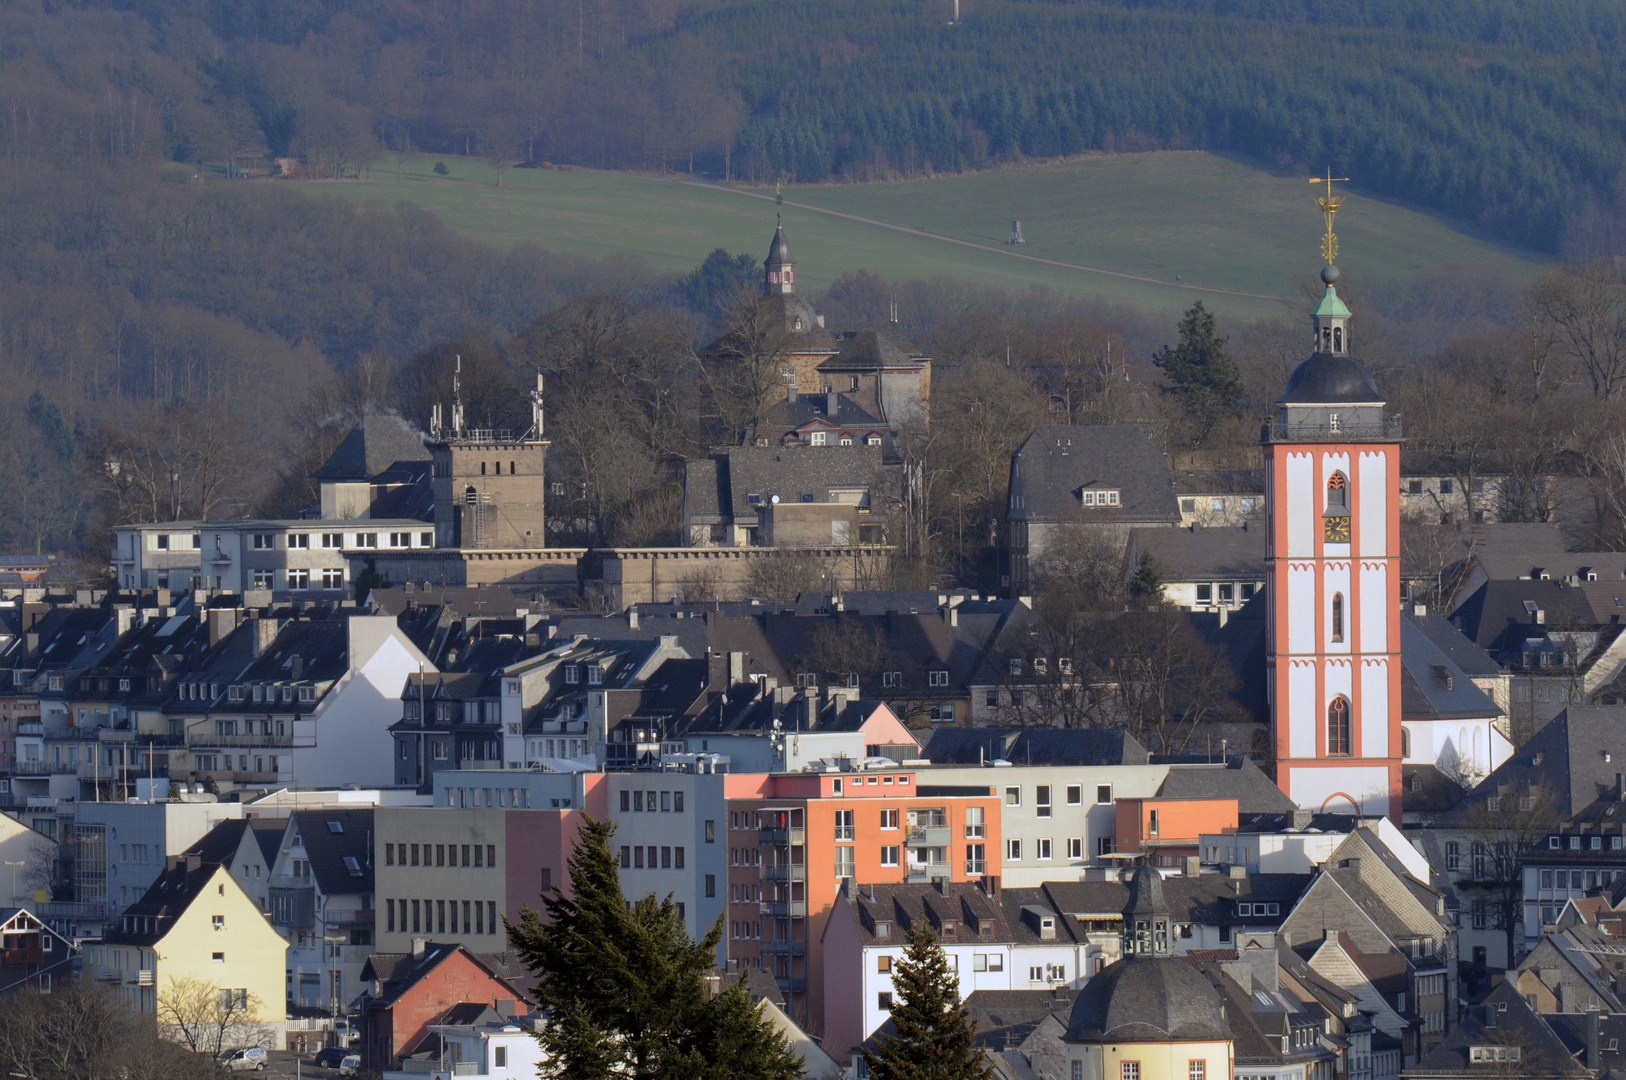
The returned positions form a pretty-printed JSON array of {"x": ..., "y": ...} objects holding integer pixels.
[
  {"x": 1338, "y": 729},
  {"x": 1338, "y": 616},
  {"x": 1337, "y": 493},
  {"x": 1338, "y": 339},
  {"x": 1405, "y": 742},
  {"x": 470, "y": 496},
  {"x": 482, "y": 468}
]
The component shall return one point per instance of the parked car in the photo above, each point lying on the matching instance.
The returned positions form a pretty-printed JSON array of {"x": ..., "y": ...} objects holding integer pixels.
[
  {"x": 345, "y": 1060},
  {"x": 345, "y": 1031},
  {"x": 248, "y": 1059}
]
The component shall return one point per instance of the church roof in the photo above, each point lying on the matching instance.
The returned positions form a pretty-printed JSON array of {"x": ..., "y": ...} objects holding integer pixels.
[
  {"x": 1328, "y": 379},
  {"x": 778, "y": 251},
  {"x": 1144, "y": 999}
]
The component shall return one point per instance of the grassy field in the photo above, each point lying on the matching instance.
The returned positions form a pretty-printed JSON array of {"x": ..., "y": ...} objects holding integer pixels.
[{"x": 1152, "y": 231}]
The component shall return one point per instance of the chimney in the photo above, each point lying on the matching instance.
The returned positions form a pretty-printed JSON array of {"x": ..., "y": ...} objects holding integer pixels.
[
  {"x": 832, "y": 404},
  {"x": 296, "y": 667},
  {"x": 1541, "y": 616},
  {"x": 1302, "y": 818},
  {"x": 417, "y": 946},
  {"x": 1594, "y": 1062},
  {"x": 1418, "y": 611},
  {"x": 222, "y": 621},
  {"x": 504, "y": 1007},
  {"x": 632, "y": 617},
  {"x": 264, "y": 632},
  {"x": 736, "y": 668},
  {"x": 1194, "y": 866}
]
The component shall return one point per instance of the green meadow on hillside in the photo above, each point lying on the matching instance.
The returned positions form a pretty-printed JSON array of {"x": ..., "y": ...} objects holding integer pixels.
[{"x": 1152, "y": 231}]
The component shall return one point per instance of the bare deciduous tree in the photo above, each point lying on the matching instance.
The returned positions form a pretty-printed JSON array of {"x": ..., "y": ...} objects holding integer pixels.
[{"x": 210, "y": 1019}]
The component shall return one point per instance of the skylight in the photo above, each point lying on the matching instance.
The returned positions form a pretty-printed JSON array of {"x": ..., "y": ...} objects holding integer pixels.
[{"x": 335, "y": 826}]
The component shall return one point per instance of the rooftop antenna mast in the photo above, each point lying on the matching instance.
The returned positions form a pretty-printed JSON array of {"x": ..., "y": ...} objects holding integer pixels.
[
  {"x": 536, "y": 407},
  {"x": 457, "y": 398}
]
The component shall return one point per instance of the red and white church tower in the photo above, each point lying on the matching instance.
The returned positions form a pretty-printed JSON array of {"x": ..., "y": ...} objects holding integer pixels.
[{"x": 1332, "y": 475}]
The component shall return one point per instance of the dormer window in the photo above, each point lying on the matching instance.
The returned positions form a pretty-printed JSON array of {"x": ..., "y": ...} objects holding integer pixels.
[
  {"x": 1100, "y": 497},
  {"x": 595, "y": 675},
  {"x": 573, "y": 674}
]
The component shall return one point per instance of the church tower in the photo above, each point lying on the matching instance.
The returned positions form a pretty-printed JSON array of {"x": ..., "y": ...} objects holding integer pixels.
[
  {"x": 1332, "y": 567},
  {"x": 779, "y": 270}
]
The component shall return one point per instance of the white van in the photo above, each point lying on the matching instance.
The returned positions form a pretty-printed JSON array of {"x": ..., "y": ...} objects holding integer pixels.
[{"x": 248, "y": 1059}]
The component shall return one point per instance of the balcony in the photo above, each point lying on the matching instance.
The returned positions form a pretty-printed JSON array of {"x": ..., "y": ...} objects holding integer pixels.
[
  {"x": 929, "y": 836},
  {"x": 268, "y": 742},
  {"x": 786, "y": 837},
  {"x": 782, "y": 872},
  {"x": 793, "y": 947},
  {"x": 146, "y": 977},
  {"x": 31, "y": 727},
  {"x": 922, "y": 873},
  {"x": 32, "y": 768},
  {"x": 349, "y": 917},
  {"x": 975, "y": 867},
  {"x": 1356, "y": 425},
  {"x": 784, "y": 909},
  {"x": 789, "y": 984},
  {"x": 73, "y": 909}
]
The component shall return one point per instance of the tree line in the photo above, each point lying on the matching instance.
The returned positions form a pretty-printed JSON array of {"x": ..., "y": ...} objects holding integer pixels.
[{"x": 1492, "y": 114}]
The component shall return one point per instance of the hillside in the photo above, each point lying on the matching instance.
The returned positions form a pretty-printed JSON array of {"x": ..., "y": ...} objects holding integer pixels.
[
  {"x": 1237, "y": 238},
  {"x": 1504, "y": 116}
]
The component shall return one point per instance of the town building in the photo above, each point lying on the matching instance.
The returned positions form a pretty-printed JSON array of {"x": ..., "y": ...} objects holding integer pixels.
[
  {"x": 1202, "y": 568},
  {"x": 195, "y": 931},
  {"x": 320, "y": 894},
  {"x": 1069, "y": 483},
  {"x": 410, "y": 991},
  {"x": 32, "y": 955}
]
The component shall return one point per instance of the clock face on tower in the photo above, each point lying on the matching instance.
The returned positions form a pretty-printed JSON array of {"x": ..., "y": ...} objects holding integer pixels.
[{"x": 1336, "y": 530}]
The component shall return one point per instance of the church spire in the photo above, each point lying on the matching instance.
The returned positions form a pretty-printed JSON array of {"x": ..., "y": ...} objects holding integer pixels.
[
  {"x": 1330, "y": 319},
  {"x": 779, "y": 269}
]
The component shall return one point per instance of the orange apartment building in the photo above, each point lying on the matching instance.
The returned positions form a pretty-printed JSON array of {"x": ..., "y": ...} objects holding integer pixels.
[
  {"x": 1166, "y": 830},
  {"x": 793, "y": 839}
]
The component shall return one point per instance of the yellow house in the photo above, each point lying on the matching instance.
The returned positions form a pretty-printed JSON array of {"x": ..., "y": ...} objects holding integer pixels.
[
  {"x": 198, "y": 955},
  {"x": 1149, "y": 1016}
]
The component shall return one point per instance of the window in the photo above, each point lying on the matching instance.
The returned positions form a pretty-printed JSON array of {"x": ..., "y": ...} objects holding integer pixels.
[
  {"x": 889, "y": 856},
  {"x": 1078, "y": 1071},
  {"x": 1338, "y": 730},
  {"x": 1044, "y": 848},
  {"x": 883, "y": 1001},
  {"x": 844, "y": 862},
  {"x": 889, "y": 819},
  {"x": 1075, "y": 794},
  {"x": 1453, "y": 855},
  {"x": 263, "y": 579},
  {"x": 1338, "y": 616},
  {"x": 936, "y": 678},
  {"x": 1013, "y": 796},
  {"x": 711, "y": 832},
  {"x": 1013, "y": 850},
  {"x": 1041, "y": 800},
  {"x": 299, "y": 579},
  {"x": 844, "y": 824},
  {"x": 974, "y": 825},
  {"x": 217, "y": 958},
  {"x": 891, "y": 679},
  {"x": 264, "y": 541},
  {"x": 333, "y": 579},
  {"x": 1103, "y": 794},
  {"x": 1075, "y": 847},
  {"x": 1129, "y": 1070}
]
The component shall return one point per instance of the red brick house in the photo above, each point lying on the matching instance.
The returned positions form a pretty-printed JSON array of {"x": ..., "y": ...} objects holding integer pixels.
[{"x": 410, "y": 991}]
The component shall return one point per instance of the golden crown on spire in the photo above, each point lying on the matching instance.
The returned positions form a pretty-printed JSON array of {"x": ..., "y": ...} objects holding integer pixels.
[{"x": 1329, "y": 204}]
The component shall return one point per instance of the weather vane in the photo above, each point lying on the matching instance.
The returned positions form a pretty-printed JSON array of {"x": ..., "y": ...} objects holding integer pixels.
[
  {"x": 778, "y": 201},
  {"x": 1329, "y": 205}
]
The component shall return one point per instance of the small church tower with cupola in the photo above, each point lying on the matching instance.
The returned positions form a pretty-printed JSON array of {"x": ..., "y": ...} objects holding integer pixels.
[
  {"x": 1332, "y": 567},
  {"x": 779, "y": 271}
]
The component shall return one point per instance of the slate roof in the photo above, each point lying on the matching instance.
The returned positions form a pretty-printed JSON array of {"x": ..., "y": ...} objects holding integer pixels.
[
  {"x": 219, "y": 845},
  {"x": 377, "y": 442},
  {"x": 1501, "y": 1019},
  {"x": 870, "y": 350},
  {"x": 1473, "y": 660},
  {"x": 1432, "y": 686},
  {"x": 1566, "y": 756},
  {"x": 1428, "y": 790},
  {"x": 1055, "y": 462},
  {"x": 1148, "y": 999},
  {"x": 1201, "y": 554},
  {"x": 1258, "y": 1017},
  {"x": 328, "y": 849},
  {"x": 1495, "y": 613},
  {"x": 792, "y": 471},
  {"x": 1239, "y": 778},
  {"x": 1034, "y": 746},
  {"x": 306, "y": 650},
  {"x": 146, "y": 921},
  {"x": 1006, "y": 1017},
  {"x": 1328, "y": 379},
  {"x": 1207, "y": 900}
]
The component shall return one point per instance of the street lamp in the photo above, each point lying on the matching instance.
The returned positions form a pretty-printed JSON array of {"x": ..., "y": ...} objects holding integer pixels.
[{"x": 333, "y": 943}]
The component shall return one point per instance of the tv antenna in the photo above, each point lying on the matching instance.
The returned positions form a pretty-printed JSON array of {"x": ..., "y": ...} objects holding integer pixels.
[{"x": 1329, "y": 204}]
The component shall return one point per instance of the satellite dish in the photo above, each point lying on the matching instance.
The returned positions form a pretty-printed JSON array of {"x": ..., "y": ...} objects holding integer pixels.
[{"x": 774, "y": 499}]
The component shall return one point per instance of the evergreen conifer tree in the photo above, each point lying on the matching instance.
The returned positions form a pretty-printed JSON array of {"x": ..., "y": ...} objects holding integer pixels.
[
  {"x": 933, "y": 1031},
  {"x": 623, "y": 985},
  {"x": 1202, "y": 375}
]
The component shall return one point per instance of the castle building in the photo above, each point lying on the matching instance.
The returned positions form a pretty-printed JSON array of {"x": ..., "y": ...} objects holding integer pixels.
[{"x": 1332, "y": 567}]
